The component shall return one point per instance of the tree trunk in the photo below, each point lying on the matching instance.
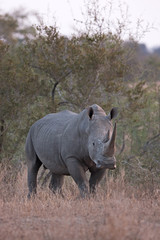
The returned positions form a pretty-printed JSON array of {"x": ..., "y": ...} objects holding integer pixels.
[{"x": 1, "y": 134}]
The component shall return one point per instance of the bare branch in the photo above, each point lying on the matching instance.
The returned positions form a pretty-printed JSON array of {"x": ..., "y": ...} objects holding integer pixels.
[
  {"x": 148, "y": 143},
  {"x": 53, "y": 90}
]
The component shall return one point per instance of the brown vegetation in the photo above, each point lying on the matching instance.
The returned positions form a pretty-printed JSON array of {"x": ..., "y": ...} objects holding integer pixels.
[{"x": 118, "y": 211}]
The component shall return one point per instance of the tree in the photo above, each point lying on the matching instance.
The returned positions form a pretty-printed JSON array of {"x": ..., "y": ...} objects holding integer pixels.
[{"x": 13, "y": 27}]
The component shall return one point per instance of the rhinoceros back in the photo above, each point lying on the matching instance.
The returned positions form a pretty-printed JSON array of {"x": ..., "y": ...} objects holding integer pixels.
[{"x": 46, "y": 135}]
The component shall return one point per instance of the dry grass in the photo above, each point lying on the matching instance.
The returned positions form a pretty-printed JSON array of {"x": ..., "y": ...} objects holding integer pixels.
[{"x": 118, "y": 211}]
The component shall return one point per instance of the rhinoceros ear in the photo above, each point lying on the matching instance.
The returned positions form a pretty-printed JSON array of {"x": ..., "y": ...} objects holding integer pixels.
[
  {"x": 113, "y": 113},
  {"x": 90, "y": 112}
]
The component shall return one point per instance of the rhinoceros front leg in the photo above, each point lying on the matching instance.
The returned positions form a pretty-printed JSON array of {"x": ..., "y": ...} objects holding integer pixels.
[
  {"x": 56, "y": 183},
  {"x": 95, "y": 178},
  {"x": 78, "y": 174}
]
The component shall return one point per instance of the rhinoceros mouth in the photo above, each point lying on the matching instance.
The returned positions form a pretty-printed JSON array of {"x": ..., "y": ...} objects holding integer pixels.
[{"x": 110, "y": 166}]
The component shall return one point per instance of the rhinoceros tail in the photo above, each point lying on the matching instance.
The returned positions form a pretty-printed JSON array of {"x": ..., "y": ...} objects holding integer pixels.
[{"x": 29, "y": 149}]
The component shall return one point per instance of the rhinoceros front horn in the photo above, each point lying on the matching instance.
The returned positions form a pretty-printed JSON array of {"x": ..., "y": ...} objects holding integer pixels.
[
  {"x": 110, "y": 145},
  {"x": 113, "y": 137}
]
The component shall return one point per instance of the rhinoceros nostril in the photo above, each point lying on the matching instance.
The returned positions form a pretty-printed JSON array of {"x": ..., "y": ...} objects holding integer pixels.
[{"x": 98, "y": 164}]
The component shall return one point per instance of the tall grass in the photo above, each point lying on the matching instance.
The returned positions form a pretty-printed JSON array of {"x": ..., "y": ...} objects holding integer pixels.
[{"x": 118, "y": 211}]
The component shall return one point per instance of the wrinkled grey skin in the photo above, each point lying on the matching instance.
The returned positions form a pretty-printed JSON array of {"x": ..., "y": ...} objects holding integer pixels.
[{"x": 68, "y": 143}]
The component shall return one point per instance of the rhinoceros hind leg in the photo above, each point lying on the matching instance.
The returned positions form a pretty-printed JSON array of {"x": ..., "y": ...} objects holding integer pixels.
[
  {"x": 33, "y": 167},
  {"x": 56, "y": 183}
]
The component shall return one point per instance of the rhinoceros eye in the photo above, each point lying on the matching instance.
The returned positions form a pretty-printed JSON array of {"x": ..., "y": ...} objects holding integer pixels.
[
  {"x": 106, "y": 138},
  {"x": 93, "y": 144}
]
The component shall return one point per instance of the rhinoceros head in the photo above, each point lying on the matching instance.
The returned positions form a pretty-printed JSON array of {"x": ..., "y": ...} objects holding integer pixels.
[{"x": 102, "y": 135}]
